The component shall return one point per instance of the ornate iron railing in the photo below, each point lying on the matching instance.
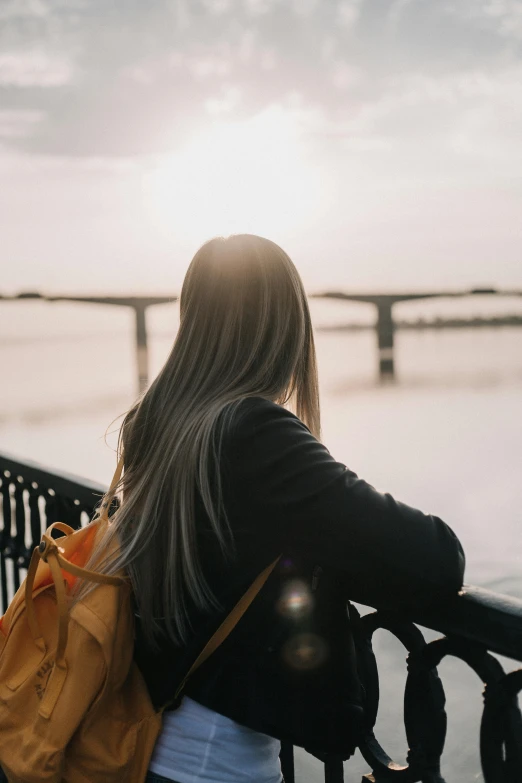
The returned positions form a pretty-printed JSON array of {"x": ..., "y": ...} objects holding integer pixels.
[
  {"x": 32, "y": 499},
  {"x": 475, "y": 624}
]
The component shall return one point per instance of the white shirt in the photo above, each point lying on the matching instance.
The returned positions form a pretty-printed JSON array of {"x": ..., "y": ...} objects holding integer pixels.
[{"x": 198, "y": 745}]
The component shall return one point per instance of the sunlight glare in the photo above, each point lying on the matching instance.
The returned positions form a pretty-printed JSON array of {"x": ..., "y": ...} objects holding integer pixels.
[{"x": 250, "y": 176}]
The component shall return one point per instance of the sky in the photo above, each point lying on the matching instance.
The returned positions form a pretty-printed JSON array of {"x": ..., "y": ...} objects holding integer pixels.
[{"x": 378, "y": 141}]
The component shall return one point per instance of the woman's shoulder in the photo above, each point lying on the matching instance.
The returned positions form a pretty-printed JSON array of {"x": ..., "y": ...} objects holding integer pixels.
[
  {"x": 256, "y": 414},
  {"x": 258, "y": 433},
  {"x": 249, "y": 407}
]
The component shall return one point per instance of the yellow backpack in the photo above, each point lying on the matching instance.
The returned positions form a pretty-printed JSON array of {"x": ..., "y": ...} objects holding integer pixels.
[{"x": 74, "y": 707}]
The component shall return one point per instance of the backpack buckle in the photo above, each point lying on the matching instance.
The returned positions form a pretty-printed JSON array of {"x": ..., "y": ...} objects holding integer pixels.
[{"x": 46, "y": 546}]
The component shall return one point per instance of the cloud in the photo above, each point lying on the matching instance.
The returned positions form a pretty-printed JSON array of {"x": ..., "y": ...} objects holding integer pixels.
[
  {"x": 268, "y": 59},
  {"x": 34, "y": 68},
  {"x": 200, "y": 64},
  {"x": 473, "y": 115},
  {"x": 397, "y": 9},
  {"x": 217, "y": 7},
  {"x": 205, "y": 66},
  {"x": 247, "y": 45},
  {"x": 345, "y": 75},
  {"x": 348, "y": 12},
  {"x": 151, "y": 73},
  {"x": 225, "y": 102},
  {"x": 305, "y": 7},
  {"x": 500, "y": 87},
  {"x": 259, "y": 7},
  {"x": 502, "y": 16},
  {"x": 457, "y": 124},
  {"x": 18, "y": 124},
  {"x": 20, "y": 9}
]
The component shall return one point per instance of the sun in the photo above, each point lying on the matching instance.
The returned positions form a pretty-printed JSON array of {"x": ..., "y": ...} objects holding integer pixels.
[{"x": 252, "y": 176}]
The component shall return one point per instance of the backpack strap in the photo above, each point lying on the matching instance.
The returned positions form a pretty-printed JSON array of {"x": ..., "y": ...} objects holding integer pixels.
[
  {"x": 107, "y": 499},
  {"x": 226, "y": 627},
  {"x": 49, "y": 552}
]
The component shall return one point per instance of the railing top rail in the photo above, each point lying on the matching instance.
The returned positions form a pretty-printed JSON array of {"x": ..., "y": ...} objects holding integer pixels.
[
  {"x": 479, "y": 615},
  {"x": 66, "y": 484}
]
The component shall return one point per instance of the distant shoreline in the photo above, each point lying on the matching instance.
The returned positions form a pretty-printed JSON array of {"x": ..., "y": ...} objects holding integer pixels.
[
  {"x": 437, "y": 323},
  {"x": 421, "y": 324}
]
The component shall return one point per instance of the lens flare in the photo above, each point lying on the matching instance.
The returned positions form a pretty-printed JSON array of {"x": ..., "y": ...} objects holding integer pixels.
[
  {"x": 305, "y": 651},
  {"x": 296, "y": 600}
]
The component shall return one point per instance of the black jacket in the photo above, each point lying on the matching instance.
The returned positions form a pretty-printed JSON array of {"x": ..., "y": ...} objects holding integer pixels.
[{"x": 288, "y": 669}]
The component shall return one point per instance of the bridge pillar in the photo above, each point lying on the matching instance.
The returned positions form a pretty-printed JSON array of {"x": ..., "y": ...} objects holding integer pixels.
[
  {"x": 142, "y": 354},
  {"x": 385, "y": 333}
]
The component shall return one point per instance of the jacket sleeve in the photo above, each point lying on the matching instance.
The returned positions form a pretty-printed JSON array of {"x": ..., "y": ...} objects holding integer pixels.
[{"x": 391, "y": 555}]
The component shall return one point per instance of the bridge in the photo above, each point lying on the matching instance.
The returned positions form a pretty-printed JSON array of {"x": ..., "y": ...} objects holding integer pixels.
[
  {"x": 385, "y": 325},
  {"x": 138, "y": 303}
]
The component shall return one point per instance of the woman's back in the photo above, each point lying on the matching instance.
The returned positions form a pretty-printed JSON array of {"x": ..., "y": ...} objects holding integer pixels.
[
  {"x": 221, "y": 478},
  {"x": 288, "y": 669}
]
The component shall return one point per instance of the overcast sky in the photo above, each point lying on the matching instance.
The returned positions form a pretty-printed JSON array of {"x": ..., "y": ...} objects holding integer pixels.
[{"x": 378, "y": 141}]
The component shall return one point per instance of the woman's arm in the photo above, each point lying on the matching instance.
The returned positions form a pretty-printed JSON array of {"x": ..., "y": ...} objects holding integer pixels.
[{"x": 290, "y": 487}]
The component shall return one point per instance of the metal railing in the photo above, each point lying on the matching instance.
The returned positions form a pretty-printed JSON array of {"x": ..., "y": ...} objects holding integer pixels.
[{"x": 475, "y": 624}]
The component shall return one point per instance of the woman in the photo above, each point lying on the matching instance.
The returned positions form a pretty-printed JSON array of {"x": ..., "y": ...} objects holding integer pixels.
[{"x": 221, "y": 479}]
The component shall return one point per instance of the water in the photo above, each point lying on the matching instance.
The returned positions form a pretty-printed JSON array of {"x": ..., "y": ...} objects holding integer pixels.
[{"x": 446, "y": 438}]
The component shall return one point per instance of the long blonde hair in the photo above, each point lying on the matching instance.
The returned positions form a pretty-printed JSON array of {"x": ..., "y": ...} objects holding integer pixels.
[{"x": 245, "y": 330}]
